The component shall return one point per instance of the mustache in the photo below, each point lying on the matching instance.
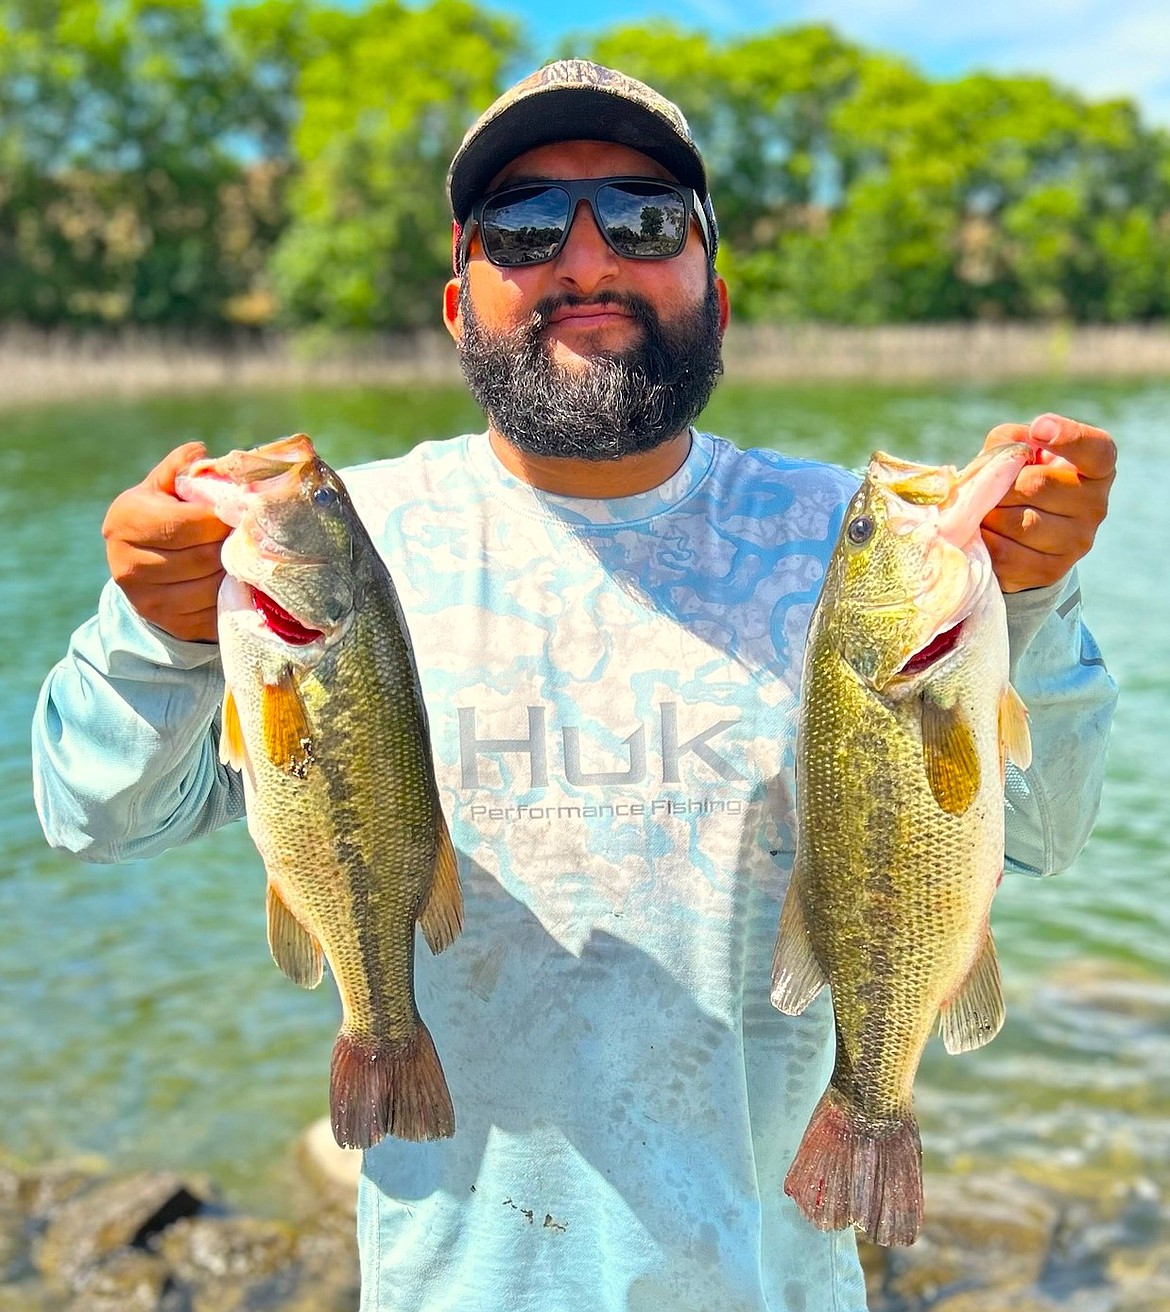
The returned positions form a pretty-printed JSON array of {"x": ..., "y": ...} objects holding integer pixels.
[{"x": 638, "y": 307}]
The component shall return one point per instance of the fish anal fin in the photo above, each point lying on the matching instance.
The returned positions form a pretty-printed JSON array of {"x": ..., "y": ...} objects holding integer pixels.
[
  {"x": 797, "y": 976},
  {"x": 380, "y": 1086},
  {"x": 288, "y": 739},
  {"x": 850, "y": 1171},
  {"x": 949, "y": 755},
  {"x": 975, "y": 1015},
  {"x": 231, "y": 735},
  {"x": 293, "y": 948},
  {"x": 1014, "y": 736},
  {"x": 441, "y": 917}
]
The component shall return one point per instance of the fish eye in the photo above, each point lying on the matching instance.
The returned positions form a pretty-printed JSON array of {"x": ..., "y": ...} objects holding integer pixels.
[
  {"x": 859, "y": 530},
  {"x": 325, "y": 497}
]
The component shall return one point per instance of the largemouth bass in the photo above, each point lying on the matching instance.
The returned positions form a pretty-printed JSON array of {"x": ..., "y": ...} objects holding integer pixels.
[
  {"x": 324, "y": 716},
  {"x": 906, "y": 718}
]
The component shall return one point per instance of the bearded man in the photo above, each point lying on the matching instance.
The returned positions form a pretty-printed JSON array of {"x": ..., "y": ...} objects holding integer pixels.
[{"x": 609, "y": 609}]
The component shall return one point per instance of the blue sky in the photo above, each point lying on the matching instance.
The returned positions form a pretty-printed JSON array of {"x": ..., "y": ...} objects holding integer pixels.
[{"x": 1103, "y": 48}]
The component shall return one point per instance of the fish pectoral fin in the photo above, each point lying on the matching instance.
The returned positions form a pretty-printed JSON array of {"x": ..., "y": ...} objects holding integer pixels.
[
  {"x": 288, "y": 740},
  {"x": 441, "y": 917},
  {"x": 293, "y": 948},
  {"x": 975, "y": 1015},
  {"x": 1014, "y": 735},
  {"x": 231, "y": 735},
  {"x": 949, "y": 755},
  {"x": 797, "y": 976}
]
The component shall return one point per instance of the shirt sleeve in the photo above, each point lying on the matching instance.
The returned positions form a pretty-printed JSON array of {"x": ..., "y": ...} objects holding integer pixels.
[
  {"x": 1059, "y": 673},
  {"x": 125, "y": 740}
]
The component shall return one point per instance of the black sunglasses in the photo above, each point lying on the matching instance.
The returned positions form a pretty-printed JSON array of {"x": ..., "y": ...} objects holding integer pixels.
[{"x": 529, "y": 222}]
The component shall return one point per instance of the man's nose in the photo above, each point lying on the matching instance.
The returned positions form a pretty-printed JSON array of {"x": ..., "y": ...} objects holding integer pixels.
[{"x": 586, "y": 259}]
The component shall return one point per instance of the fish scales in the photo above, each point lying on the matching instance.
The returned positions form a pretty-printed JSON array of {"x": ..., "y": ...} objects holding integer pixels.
[
  {"x": 897, "y": 860},
  {"x": 324, "y": 715},
  {"x": 899, "y": 824},
  {"x": 369, "y": 778}
]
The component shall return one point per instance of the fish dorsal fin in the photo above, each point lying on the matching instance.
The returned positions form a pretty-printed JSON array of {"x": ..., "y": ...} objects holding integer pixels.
[
  {"x": 441, "y": 917},
  {"x": 288, "y": 739},
  {"x": 949, "y": 755},
  {"x": 797, "y": 976},
  {"x": 231, "y": 735},
  {"x": 1014, "y": 736},
  {"x": 293, "y": 948},
  {"x": 975, "y": 1015}
]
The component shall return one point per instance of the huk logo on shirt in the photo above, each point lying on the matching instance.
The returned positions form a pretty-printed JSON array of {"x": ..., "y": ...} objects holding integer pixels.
[{"x": 669, "y": 752}]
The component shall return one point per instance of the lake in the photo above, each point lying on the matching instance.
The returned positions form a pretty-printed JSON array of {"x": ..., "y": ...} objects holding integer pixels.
[{"x": 144, "y": 1021}]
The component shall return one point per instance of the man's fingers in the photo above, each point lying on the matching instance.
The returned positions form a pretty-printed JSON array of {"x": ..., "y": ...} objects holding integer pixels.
[
  {"x": 153, "y": 519},
  {"x": 176, "y": 605},
  {"x": 1005, "y": 435},
  {"x": 162, "y": 476},
  {"x": 1018, "y": 567},
  {"x": 1090, "y": 450},
  {"x": 1056, "y": 487},
  {"x": 197, "y": 626},
  {"x": 1036, "y": 530},
  {"x": 150, "y": 515},
  {"x": 202, "y": 626},
  {"x": 182, "y": 565},
  {"x": 1048, "y": 518}
]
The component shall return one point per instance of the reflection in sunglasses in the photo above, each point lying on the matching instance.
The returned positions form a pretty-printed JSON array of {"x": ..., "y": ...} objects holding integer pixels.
[{"x": 640, "y": 218}]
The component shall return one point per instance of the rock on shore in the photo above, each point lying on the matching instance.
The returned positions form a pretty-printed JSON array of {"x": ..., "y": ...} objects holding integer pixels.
[{"x": 77, "y": 1238}]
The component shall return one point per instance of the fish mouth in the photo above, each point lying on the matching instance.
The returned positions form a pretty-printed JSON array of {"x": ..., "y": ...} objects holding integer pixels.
[
  {"x": 286, "y": 627},
  {"x": 942, "y": 644}
]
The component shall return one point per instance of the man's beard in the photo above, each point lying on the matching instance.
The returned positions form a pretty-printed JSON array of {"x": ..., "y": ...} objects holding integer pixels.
[{"x": 618, "y": 403}]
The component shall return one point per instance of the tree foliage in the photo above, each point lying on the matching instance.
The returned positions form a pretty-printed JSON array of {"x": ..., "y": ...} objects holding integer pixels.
[
  {"x": 386, "y": 95},
  {"x": 282, "y": 161},
  {"x": 124, "y": 189}
]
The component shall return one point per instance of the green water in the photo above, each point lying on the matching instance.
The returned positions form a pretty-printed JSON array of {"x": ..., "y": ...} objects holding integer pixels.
[{"x": 143, "y": 1020}]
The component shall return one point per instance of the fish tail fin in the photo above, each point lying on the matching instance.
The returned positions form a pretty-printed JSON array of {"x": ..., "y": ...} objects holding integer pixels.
[
  {"x": 849, "y": 1173},
  {"x": 388, "y": 1086}
]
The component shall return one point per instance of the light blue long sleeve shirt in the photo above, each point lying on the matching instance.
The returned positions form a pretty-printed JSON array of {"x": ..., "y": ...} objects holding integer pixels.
[{"x": 613, "y": 689}]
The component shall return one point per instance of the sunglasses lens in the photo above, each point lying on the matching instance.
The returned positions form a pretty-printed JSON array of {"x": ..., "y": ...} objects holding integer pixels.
[
  {"x": 643, "y": 221},
  {"x": 524, "y": 226}
]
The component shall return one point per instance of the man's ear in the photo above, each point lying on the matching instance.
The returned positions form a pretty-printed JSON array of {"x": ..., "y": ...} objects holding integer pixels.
[
  {"x": 452, "y": 314},
  {"x": 724, "y": 304}
]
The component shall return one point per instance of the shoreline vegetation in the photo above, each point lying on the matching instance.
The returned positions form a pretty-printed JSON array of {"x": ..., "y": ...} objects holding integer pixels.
[{"x": 67, "y": 365}]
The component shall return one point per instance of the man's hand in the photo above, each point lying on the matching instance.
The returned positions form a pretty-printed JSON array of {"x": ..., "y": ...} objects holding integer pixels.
[
  {"x": 1048, "y": 520},
  {"x": 164, "y": 553}
]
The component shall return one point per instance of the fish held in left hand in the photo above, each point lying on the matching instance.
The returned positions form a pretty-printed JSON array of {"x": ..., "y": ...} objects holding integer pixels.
[
  {"x": 324, "y": 716},
  {"x": 906, "y": 719}
]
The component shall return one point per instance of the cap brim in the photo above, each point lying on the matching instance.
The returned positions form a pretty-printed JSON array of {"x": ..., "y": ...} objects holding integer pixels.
[{"x": 567, "y": 114}]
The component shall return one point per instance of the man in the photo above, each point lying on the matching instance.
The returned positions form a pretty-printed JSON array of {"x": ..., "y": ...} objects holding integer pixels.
[{"x": 609, "y": 612}]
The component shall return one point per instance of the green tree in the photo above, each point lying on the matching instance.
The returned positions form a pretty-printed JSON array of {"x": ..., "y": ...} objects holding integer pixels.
[
  {"x": 129, "y": 132},
  {"x": 386, "y": 95},
  {"x": 171, "y": 162},
  {"x": 981, "y": 197}
]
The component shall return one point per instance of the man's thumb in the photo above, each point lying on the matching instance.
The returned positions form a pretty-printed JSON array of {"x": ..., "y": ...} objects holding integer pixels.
[{"x": 163, "y": 475}]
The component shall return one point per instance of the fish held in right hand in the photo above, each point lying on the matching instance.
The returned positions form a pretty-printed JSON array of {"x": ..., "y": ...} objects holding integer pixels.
[{"x": 325, "y": 718}]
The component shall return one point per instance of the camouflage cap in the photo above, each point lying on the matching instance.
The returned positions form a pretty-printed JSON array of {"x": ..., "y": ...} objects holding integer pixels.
[{"x": 572, "y": 100}]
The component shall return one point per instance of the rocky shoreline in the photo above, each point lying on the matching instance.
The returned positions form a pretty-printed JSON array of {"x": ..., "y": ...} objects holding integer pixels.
[{"x": 75, "y": 1238}]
